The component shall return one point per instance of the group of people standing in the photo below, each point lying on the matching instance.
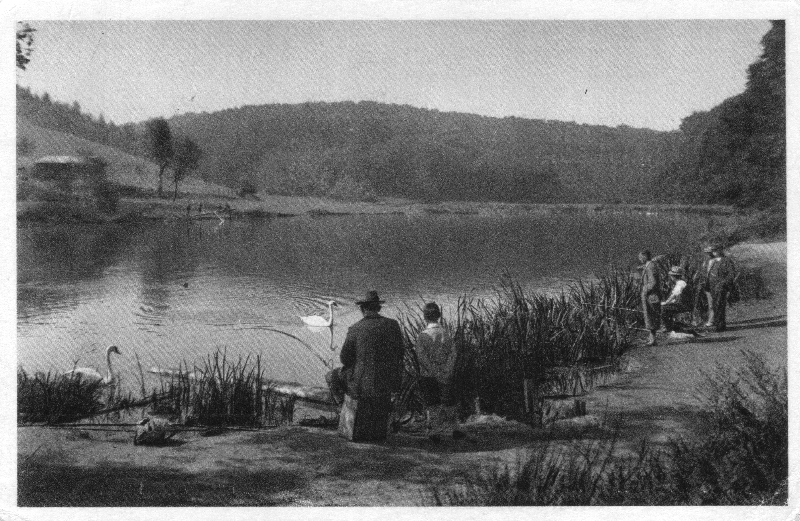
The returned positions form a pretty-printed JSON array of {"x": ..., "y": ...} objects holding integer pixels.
[{"x": 714, "y": 281}]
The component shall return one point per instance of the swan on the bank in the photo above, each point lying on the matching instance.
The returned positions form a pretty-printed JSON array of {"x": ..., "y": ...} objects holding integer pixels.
[
  {"x": 317, "y": 321},
  {"x": 89, "y": 374}
]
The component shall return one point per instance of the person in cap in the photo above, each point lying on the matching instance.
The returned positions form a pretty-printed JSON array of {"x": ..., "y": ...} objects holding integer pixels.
[
  {"x": 371, "y": 372},
  {"x": 702, "y": 288},
  {"x": 436, "y": 355},
  {"x": 650, "y": 295},
  {"x": 716, "y": 279},
  {"x": 676, "y": 301},
  {"x": 721, "y": 277}
]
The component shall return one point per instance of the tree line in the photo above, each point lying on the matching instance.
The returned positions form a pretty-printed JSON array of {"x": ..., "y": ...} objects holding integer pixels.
[
  {"x": 732, "y": 154},
  {"x": 735, "y": 153},
  {"x": 369, "y": 148}
]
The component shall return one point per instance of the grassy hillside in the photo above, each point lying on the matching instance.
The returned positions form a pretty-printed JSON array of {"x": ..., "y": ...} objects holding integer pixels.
[{"x": 123, "y": 168}]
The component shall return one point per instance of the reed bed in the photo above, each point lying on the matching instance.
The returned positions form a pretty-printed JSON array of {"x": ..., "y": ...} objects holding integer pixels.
[
  {"x": 518, "y": 336},
  {"x": 56, "y": 398},
  {"x": 223, "y": 393}
]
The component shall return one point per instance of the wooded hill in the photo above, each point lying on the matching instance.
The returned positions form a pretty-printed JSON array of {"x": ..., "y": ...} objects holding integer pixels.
[
  {"x": 368, "y": 148},
  {"x": 732, "y": 154},
  {"x": 735, "y": 153},
  {"x": 364, "y": 149}
]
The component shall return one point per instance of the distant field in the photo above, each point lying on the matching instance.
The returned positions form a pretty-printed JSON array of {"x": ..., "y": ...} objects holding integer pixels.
[{"x": 124, "y": 169}]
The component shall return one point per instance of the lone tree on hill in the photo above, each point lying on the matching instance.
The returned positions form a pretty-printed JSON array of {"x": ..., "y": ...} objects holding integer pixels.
[
  {"x": 24, "y": 44},
  {"x": 160, "y": 147},
  {"x": 187, "y": 158}
]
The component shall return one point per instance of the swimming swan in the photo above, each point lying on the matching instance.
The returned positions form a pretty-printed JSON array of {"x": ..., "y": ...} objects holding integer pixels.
[
  {"x": 317, "y": 321},
  {"x": 92, "y": 375}
]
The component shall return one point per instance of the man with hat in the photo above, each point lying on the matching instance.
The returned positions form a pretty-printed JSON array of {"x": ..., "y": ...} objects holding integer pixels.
[
  {"x": 372, "y": 360},
  {"x": 676, "y": 301},
  {"x": 716, "y": 279}
]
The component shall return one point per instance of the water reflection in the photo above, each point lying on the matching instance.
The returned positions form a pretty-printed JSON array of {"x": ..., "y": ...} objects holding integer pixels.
[
  {"x": 175, "y": 292},
  {"x": 52, "y": 261}
]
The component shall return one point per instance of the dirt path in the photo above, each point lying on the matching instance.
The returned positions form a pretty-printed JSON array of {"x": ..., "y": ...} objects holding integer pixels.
[
  {"x": 301, "y": 466},
  {"x": 658, "y": 397}
]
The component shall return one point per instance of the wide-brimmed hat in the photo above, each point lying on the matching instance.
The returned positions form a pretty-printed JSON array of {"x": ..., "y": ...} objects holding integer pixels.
[
  {"x": 677, "y": 271},
  {"x": 370, "y": 298}
]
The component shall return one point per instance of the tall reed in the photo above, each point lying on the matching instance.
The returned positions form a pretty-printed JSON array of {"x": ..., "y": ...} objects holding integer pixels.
[
  {"x": 57, "y": 398},
  {"x": 519, "y": 336},
  {"x": 222, "y": 393}
]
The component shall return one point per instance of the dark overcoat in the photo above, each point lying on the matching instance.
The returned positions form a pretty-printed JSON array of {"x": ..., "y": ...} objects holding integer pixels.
[
  {"x": 720, "y": 276},
  {"x": 372, "y": 356}
]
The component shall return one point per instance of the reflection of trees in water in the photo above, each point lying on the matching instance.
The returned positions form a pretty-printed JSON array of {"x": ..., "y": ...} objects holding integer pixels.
[
  {"x": 55, "y": 257},
  {"x": 170, "y": 260},
  {"x": 66, "y": 253}
]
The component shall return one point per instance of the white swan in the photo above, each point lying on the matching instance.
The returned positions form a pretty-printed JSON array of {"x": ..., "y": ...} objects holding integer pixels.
[
  {"x": 317, "y": 321},
  {"x": 194, "y": 376},
  {"x": 88, "y": 374}
]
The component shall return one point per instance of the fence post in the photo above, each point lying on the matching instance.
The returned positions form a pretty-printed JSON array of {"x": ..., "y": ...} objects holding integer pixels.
[{"x": 529, "y": 391}]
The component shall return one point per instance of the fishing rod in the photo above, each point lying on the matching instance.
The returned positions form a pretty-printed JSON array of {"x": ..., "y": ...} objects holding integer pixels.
[{"x": 310, "y": 349}]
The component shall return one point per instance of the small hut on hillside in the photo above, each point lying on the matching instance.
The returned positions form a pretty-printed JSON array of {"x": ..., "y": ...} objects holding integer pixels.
[{"x": 68, "y": 169}]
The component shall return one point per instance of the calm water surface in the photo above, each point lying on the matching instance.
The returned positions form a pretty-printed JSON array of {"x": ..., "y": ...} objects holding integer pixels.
[{"x": 174, "y": 292}]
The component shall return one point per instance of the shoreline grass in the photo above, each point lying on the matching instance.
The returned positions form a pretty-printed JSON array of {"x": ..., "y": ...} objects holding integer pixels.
[
  {"x": 222, "y": 393},
  {"x": 741, "y": 458},
  {"x": 517, "y": 337}
]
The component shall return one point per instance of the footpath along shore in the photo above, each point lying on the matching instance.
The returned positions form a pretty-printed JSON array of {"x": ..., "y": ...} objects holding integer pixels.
[{"x": 654, "y": 399}]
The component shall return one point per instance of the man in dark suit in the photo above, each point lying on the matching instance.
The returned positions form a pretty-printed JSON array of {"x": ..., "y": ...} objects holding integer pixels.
[
  {"x": 716, "y": 278},
  {"x": 372, "y": 359}
]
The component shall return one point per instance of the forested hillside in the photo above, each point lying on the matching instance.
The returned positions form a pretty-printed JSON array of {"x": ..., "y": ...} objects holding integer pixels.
[
  {"x": 372, "y": 148},
  {"x": 736, "y": 152},
  {"x": 363, "y": 149}
]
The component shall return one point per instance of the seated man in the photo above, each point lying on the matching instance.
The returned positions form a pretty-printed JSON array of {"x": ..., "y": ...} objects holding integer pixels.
[
  {"x": 676, "y": 302},
  {"x": 372, "y": 360},
  {"x": 436, "y": 354}
]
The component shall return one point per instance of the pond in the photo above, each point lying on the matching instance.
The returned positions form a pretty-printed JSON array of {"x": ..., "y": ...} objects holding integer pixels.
[{"x": 175, "y": 292}]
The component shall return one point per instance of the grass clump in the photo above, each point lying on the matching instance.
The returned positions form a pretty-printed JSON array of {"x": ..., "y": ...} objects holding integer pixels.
[
  {"x": 223, "y": 393},
  {"x": 49, "y": 398},
  {"x": 741, "y": 458}
]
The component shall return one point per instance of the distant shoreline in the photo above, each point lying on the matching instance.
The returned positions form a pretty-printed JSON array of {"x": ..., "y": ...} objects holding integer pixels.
[{"x": 152, "y": 209}]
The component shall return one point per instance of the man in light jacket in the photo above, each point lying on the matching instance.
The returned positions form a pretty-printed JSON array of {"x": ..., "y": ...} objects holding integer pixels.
[{"x": 651, "y": 295}]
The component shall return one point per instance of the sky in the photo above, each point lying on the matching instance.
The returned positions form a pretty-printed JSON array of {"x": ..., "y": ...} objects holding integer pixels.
[{"x": 638, "y": 73}]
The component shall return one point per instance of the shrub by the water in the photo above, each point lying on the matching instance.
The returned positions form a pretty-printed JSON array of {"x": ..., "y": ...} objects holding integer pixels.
[
  {"x": 739, "y": 458},
  {"x": 106, "y": 195},
  {"x": 247, "y": 189}
]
